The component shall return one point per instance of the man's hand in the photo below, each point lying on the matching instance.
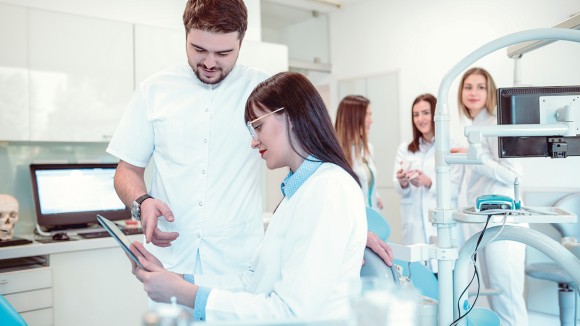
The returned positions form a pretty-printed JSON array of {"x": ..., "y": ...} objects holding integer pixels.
[
  {"x": 380, "y": 247},
  {"x": 151, "y": 210}
]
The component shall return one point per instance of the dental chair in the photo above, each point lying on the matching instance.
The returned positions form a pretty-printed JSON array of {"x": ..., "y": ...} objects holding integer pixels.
[
  {"x": 8, "y": 315},
  {"x": 378, "y": 224},
  {"x": 423, "y": 279},
  {"x": 553, "y": 272}
]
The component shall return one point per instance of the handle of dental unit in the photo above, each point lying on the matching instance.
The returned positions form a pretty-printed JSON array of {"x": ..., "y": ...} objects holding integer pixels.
[{"x": 442, "y": 215}]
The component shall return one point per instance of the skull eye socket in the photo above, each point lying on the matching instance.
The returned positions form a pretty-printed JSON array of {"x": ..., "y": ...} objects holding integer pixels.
[{"x": 13, "y": 214}]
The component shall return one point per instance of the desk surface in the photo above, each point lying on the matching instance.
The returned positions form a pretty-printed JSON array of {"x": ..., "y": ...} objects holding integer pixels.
[{"x": 37, "y": 248}]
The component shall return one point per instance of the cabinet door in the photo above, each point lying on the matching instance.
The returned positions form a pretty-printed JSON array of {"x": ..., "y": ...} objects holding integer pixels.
[
  {"x": 157, "y": 49},
  {"x": 81, "y": 76},
  {"x": 14, "y": 122},
  {"x": 96, "y": 287}
]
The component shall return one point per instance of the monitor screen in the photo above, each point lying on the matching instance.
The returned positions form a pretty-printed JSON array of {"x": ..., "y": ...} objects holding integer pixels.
[
  {"x": 521, "y": 105},
  {"x": 71, "y": 195}
]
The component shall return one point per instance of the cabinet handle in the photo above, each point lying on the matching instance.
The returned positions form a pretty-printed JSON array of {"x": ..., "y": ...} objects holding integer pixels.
[{"x": 3, "y": 281}]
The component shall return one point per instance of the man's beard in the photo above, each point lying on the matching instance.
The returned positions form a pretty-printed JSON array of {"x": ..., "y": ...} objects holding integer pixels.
[{"x": 205, "y": 80}]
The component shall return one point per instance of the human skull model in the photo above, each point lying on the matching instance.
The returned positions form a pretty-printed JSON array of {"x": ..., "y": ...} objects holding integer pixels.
[{"x": 8, "y": 216}]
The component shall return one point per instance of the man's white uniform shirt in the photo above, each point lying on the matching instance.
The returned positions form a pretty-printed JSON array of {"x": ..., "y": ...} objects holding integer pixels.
[{"x": 203, "y": 165}]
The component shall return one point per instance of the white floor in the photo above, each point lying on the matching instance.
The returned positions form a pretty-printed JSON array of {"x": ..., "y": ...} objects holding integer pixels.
[{"x": 539, "y": 319}]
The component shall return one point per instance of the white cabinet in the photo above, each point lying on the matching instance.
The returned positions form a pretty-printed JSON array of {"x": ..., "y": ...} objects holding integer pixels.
[
  {"x": 69, "y": 78},
  {"x": 157, "y": 49},
  {"x": 96, "y": 287},
  {"x": 81, "y": 75},
  {"x": 29, "y": 291},
  {"x": 14, "y": 122}
]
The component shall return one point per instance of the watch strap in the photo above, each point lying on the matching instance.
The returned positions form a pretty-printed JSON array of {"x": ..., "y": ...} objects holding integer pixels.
[{"x": 142, "y": 198}]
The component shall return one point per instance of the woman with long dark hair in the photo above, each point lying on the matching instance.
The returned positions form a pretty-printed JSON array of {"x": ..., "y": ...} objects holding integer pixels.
[
  {"x": 353, "y": 123},
  {"x": 313, "y": 247}
]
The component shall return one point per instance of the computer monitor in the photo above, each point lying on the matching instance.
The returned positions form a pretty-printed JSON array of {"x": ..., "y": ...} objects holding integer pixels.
[
  {"x": 71, "y": 195},
  {"x": 521, "y": 105}
]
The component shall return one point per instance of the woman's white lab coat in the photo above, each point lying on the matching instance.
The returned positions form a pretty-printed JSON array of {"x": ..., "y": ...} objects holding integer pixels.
[
  {"x": 311, "y": 253},
  {"x": 415, "y": 202},
  {"x": 502, "y": 262}
]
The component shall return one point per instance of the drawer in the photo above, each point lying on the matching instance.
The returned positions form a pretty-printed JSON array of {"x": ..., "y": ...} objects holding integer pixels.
[
  {"x": 25, "y": 280},
  {"x": 30, "y": 300},
  {"x": 42, "y": 317}
]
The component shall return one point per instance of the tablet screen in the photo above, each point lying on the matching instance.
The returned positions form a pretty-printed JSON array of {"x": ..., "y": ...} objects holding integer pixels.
[{"x": 120, "y": 237}]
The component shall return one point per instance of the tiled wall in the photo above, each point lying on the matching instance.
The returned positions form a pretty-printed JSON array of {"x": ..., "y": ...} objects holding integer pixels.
[{"x": 15, "y": 158}]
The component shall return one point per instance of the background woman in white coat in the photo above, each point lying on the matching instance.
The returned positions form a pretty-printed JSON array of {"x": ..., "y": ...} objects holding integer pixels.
[
  {"x": 502, "y": 262},
  {"x": 414, "y": 177},
  {"x": 353, "y": 123},
  {"x": 313, "y": 247}
]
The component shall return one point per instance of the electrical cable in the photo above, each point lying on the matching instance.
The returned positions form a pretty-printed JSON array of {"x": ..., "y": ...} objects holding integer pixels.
[
  {"x": 504, "y": 220},
  {"x": 576, "y": 304},
  {"x": 476, "y": 274},
  {"x": 41, "y": 232}
]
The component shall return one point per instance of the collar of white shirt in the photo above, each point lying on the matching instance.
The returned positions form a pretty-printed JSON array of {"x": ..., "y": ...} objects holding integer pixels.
[{"x": 294, "y": 180}]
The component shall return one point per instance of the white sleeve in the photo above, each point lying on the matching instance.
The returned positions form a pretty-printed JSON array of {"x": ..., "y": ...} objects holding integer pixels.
[
  {"x": 402, "y": 154},
  {"x": 133, "y": 141},
  {"x": 457, "y": 174},
  {"x": 503, "y": 170},
  {"x": 237, "y": 282}
]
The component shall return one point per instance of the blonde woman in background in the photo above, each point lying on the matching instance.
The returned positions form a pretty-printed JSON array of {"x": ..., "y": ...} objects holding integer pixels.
[
  {"x": 353, "y": 123},
  {"x": 502, "y": 262},
  {"x": 414, "y": 178}
]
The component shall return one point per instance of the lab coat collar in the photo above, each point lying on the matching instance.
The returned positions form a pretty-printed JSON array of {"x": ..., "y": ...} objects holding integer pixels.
[{"x": 294, "y": 180}]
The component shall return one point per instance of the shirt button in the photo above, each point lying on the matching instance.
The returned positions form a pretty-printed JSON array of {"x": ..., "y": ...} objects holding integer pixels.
[
  {"x": 199, "y": 236},
  {"x": 203, "y": 171},
  {"x": 205, "y": 140},
  {"x": 200, "y": 204},
  {"x": 206, "y": 110}
]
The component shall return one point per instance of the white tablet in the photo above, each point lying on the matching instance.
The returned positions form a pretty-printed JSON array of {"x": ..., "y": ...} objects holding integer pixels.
[{"x": 120, "y": 237}]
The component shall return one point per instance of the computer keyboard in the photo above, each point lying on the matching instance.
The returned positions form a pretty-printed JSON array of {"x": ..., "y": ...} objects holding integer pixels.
[{"x": 104, "y": 233}]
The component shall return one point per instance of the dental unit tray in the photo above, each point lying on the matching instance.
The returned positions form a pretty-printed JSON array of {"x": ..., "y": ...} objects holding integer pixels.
[{"x": 523, "y": 215}]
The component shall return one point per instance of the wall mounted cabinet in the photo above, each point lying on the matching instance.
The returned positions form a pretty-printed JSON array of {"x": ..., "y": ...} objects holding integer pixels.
[
  {"x": 69, "y": 78},
  {"x": 14, "y": 121},
  {"x": 81, "y": 75}
]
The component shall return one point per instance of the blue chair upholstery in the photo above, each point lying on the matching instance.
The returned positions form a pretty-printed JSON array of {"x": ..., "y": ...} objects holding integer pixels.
[
  {"x": 375, "y": 267},
  {"x": 8, "y": 315},
  {"x": 378, "y": 224},
  {"x": 480, "y": 316},
  {"x": 423, "y": 279}
]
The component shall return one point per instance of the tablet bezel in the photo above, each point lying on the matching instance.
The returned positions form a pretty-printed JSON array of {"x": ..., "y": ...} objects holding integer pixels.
[{"x": 120, "y": 237}]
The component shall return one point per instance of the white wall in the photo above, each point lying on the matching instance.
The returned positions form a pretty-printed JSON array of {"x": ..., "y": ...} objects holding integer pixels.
[{"x": 423, "y": 39}]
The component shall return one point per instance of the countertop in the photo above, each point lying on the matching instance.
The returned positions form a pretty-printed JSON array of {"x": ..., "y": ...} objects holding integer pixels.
[{"x": 37, "y": 248}]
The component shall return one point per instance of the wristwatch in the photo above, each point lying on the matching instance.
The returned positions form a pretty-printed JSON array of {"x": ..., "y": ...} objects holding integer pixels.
[{"x": 136, "y": 206}]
